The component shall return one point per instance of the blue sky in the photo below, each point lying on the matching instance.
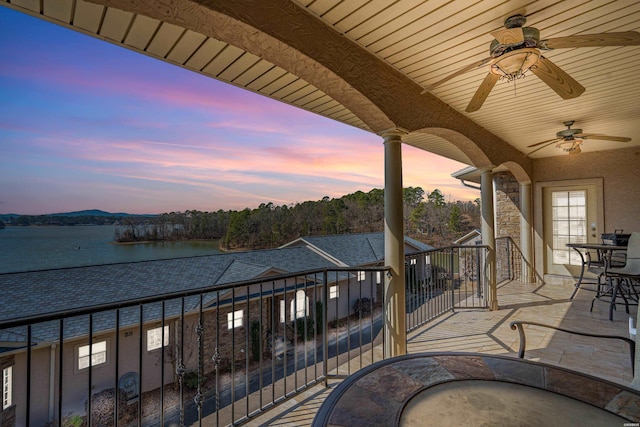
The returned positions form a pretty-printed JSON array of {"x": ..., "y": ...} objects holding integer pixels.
[{"x": 89, "y": 125}]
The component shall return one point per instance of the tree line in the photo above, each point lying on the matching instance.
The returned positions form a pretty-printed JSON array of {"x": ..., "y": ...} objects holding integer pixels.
[{"x": 428, "y": 217}]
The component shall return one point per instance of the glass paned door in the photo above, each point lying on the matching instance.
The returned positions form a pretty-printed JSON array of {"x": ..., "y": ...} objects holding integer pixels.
[{"x": 570, "y": 216}]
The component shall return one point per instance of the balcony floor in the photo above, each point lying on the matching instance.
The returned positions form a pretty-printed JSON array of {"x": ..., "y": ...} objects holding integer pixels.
[{"x": 483, "y": 331}]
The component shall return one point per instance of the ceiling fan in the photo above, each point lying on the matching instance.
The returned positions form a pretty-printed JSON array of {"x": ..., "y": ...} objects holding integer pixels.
[
  {"x": 517, "y": 50},
  {"x": 570, "y": 140}
]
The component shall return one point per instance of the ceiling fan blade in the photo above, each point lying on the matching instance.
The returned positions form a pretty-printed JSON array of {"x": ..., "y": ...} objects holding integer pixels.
[
  {"x": 483, "y": 91},
  {"x": 562, "y": 83},
  {"x": 508, "y": 35},
  {"x": 603, "y": 137},
  {"x": 544, "y": 146},
  {"x": 461, "y": 71},
  {"x": 627, "y": 38},
  {"x": 543, "y": 142}
]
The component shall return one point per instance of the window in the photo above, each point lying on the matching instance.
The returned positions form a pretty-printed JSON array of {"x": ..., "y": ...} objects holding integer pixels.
[
  {"x": 333, "y": 292},
  {"x": 569, "y": 216},
  {"x": 7, "y": 379},
  {"x": 234, "y": 320},
  {"x": 299, "y": 306},
  {"x": 98, "y": 354},
  {"x": 361, "y": 276},
  {"x": 154, "y": 338}
]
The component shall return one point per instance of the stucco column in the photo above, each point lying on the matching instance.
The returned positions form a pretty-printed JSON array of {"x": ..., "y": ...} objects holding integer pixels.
[
  {"x": 488, "y": 234},
  {"x": 526, "y": 230},
  {"x": 395, "y": 331}
]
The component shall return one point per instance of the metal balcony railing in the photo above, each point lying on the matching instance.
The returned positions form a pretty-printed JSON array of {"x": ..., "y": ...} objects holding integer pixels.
[{"x": 221, "y": 354}]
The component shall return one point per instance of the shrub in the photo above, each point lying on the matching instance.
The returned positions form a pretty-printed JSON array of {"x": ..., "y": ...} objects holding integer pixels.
[
  {"x": 362, "y": 307},
  {"x": 190, "y": 380},
  {"x": 255, "y": 340},
  {"x": 305, "y": 328}
]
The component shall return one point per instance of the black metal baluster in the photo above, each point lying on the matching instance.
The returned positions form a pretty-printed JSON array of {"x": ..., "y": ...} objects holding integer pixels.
[
  {"x": 325, "y": 336},
  {"x": 89, "y": 406},
  {"x": 60, "y": 371},
  {"x": 199, "y": 398},
  {"x": 180, "y": 368},
  {"x": 140, "y": 343},
  {"x": 28, "y": 405},
  {"x": 162, "y": 349},
  {"x": 217, "y": 358},
  {"x": 247, "y": 352},
  {"x": 260, "y": 349},
  {"x": 233, "y": 355},
  {"x": 117, "y": 368}
]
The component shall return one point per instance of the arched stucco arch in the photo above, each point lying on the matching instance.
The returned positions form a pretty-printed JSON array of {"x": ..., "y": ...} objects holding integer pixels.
[
  {"x": 518, "y": 172},
  {"x": 216, "y": 21},
  {"x": 462, "y": 142}
]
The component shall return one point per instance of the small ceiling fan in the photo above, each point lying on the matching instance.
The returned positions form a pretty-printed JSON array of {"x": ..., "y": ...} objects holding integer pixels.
[
  {"x": 570, "y": 140},
  {"x": 517, "y": 50}
]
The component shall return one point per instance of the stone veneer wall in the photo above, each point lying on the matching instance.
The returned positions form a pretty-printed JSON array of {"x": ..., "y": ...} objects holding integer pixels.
[{"x": 507, "y": 211}]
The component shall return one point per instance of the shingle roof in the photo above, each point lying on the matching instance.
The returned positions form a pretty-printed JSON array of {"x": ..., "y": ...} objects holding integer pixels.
[
  {"x": 49, "y": 291},
  {"x": 356, "y": 249}
]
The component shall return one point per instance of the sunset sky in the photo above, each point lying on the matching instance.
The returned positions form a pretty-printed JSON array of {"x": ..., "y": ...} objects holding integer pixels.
[{"x": 89, "y": 125}]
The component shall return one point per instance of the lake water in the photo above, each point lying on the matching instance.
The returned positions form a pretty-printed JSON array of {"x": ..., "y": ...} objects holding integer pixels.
[{"x": 37, "y": 248}]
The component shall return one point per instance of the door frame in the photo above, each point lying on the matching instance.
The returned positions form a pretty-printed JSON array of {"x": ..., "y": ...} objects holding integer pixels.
[{"x": 539, "y": 226}]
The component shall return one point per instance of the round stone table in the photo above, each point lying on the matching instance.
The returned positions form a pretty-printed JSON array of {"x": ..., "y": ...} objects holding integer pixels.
[{"x": 438, "y": 389}]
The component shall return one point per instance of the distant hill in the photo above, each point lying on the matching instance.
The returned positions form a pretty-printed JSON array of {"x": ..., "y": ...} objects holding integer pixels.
[
  {"x": 86, "y": 217},
  {"x": 92, "y": 212}
]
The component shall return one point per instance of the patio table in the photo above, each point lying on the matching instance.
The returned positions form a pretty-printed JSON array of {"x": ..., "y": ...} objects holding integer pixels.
[
  {"x": 435, "y": 389},
  {"x": 603, "y": 258}
]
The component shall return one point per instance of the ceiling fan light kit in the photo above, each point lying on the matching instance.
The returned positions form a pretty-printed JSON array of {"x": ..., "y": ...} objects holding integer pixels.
[
  {"x": 570, "y": 140},
  {"x": 516, "y": 49}
]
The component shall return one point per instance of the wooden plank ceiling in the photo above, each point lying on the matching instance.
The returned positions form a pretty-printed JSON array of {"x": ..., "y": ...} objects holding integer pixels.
[{"x": 426, "y": 40}]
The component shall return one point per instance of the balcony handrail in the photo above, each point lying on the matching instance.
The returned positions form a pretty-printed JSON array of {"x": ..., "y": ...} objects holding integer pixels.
[{"x": 91, "y": 309}]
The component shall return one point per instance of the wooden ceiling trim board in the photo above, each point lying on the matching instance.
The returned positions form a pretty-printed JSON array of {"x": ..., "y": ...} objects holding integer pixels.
[
  {"x": 428, "y": 31},
  {"x": 387, "y": 13},
  {"x": 278, "y": 84},
  {"x": 330, "y": 112},
  {"x": 266, "y": 79},
  {"x": 253, "y": 73},
  {"x": 296, "y": 96},
  {"x": 186, "y": 47},
  {"x": 205, "y": 54},
  {"x": 116, "y": 24},
  {"x": 317, "y": 103},
  {"x": 359, "y": 17},
  {"x": 292, "y": 87},
  {"x": 379, "y": 37},
  {"x": 32, "y": 5},
  {"x": 60, "y": 10},
  {"x": 559, "y": 24},
  {"x": 235, "y": 70},
  {"x": 165, "y": 39},
  {"x": 324, "y": 108},
  {"x": 307, "y": 102},
  {"x": 320, "y": 7},
  {"x": 221, "y": 61},
  {"x": 88, "y": 16},
  {"x": 342, "y": 10},
  {"x": 439, "y": 32},
  {"x": 141, "y": 32}
]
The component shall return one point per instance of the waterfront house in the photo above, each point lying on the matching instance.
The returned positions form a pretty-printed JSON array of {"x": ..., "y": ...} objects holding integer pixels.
[{"x": 420, "y": 73}]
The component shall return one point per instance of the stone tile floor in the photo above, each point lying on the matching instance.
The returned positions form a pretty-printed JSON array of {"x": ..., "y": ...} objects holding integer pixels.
[{"x": 488, "y": 332}]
